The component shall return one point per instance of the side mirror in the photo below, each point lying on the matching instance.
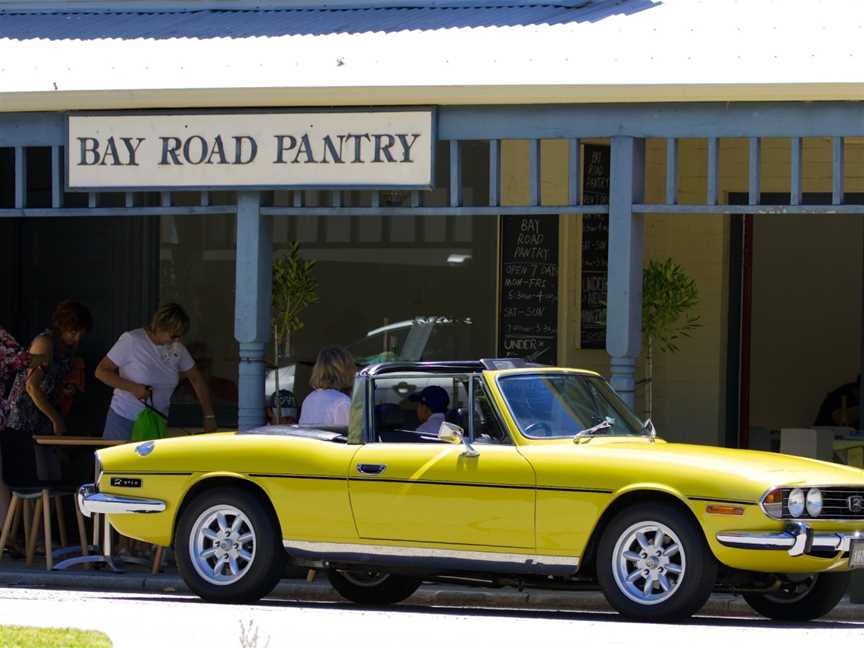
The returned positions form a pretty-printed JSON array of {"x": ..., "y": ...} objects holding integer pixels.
[
  {"x": 450, "y": 433},
  {"x": 649, "y": 429}
]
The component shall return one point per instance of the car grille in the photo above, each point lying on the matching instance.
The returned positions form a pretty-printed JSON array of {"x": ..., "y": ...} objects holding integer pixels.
[{"x": 838, "y": 503}]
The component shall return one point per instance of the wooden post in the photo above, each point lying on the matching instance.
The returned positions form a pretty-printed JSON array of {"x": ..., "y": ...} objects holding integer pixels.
[
  {"x": 252, "y": 305},
  {"x": 626, "y": 236}
]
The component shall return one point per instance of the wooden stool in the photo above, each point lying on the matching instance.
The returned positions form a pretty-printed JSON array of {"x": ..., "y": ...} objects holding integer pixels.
[{"x": 42, "y": 498}]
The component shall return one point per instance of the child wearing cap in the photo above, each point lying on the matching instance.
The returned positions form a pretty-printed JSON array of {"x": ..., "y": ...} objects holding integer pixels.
[{"x": 432, "y": 409}]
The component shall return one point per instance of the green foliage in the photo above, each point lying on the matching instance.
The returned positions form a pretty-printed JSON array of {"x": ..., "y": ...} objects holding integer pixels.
[
  {"x": 668, "y": 298},
  {"x": 25, "y": 637},
  {"x": 294, "y": 288}
]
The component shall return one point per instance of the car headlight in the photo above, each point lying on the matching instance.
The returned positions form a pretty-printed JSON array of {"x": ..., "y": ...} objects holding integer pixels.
[
  {"x": 796, "y": 502},
  {"x": 814, "y": 502}
]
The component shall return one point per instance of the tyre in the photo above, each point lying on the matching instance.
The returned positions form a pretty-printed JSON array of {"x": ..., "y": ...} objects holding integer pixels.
[
  {"x": 807, "y": 597},
  {"x": 228, "y": 547},
  {"x": 653, "y": 563},
  {"x": 369, "y": 587}
]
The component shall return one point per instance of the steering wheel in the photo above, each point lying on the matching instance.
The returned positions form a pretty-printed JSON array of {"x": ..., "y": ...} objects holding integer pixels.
[{"x": 538, "y": 428}]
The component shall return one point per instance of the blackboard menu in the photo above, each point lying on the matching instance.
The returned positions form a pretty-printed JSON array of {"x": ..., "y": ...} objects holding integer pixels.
[
  {"x": 595, "y": 247},
  {"x": 528, "y": 325}
]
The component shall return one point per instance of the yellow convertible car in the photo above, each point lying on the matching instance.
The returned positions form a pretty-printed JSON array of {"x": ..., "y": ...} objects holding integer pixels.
[{"x": 491, "y": 473}]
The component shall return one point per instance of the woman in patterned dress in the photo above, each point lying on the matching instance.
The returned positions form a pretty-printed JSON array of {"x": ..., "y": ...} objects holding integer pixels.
[{"x": 34, "y": 411}]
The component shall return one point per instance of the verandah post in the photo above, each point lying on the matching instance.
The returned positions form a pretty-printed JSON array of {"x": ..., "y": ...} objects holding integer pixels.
[
  {"x": 252, "y": 305},
  {"x": 626, "y": 248}
]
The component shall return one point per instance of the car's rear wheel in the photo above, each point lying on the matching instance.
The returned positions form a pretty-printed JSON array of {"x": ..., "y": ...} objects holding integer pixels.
[
  {"x": 371, "y": 587},
  {"x": 228, "y": 547},
  {"x": 801, "y": 598},
  {"x": 653, "y": 563}
]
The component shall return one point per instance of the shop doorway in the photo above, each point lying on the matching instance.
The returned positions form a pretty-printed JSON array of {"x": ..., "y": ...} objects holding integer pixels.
[{"x": 795, "y": 317}]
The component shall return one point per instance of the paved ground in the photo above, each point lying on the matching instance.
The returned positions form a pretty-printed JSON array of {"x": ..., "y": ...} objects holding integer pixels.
[{"x": 169, "y": 619}]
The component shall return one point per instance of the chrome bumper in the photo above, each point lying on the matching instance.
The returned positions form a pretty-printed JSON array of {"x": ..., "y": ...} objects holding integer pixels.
[
  {"x": 90, "y": 501},
  {"x": 798, "y": 539}
]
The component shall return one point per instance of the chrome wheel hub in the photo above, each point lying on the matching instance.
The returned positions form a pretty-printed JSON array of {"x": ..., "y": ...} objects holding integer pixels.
[
  {"x": 648, "y": 563},
  {"x": 222, "y": 545}
]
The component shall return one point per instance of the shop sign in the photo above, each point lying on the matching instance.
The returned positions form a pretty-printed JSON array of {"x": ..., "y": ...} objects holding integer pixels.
[{"x": 336, "y": 150}]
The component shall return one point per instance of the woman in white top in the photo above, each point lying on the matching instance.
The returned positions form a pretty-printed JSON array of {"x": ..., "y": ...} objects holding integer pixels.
[
  {"x": 150, "y": 362},
  {"x": 332, "y": 378}
]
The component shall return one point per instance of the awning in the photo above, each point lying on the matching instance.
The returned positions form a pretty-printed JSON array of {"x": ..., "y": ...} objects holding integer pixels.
[{"x": 462, "y": 53}]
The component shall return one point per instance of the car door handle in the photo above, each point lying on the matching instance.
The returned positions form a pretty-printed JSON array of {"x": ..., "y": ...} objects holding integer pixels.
[{"x": 371, "y": 469}]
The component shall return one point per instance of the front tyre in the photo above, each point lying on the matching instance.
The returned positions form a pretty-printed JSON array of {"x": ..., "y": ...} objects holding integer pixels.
[
  {"x": 369, "y": 587},
  {"x": 228, "y": 547},
  {"x": 653, "y": 563},
  {"x": 803, "y": 599}
]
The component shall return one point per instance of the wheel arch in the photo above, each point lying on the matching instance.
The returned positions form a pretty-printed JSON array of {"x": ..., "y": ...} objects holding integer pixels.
[
  {"x": 633, "y": 495},
  {"x": 219, "y": 480}
]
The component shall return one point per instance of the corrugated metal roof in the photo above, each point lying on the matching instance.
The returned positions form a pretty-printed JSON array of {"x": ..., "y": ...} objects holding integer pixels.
[
  {"x": 279, "y": 22},
  {"x": 620, "y": 44}
]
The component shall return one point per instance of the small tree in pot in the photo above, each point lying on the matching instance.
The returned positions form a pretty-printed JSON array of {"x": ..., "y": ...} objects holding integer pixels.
[
  {"x": 669, "y": 297},
  {"x": 294, "y": 288}
]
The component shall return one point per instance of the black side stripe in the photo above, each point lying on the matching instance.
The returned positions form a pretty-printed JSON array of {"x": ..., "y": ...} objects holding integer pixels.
[
  {"x": 144, "y": 472},
  {"x": 722, "y": 501},
  {"x": 435, "y": 483}
]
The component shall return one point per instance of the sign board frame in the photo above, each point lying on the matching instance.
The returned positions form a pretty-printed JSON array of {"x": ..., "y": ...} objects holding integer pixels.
[{"x": 71, "y": 183}]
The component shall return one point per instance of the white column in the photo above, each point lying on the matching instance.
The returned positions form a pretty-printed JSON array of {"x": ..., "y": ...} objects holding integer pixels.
[
  {"x": 252, "y": 306},
  {"x": 626, "y": 243}
]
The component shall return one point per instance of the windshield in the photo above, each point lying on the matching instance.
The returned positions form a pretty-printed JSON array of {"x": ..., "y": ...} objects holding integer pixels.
[{"x": 563, "y": 405}]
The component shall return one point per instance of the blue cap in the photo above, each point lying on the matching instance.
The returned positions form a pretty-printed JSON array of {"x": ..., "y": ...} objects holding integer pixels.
[{"x": 435, "y": 398}]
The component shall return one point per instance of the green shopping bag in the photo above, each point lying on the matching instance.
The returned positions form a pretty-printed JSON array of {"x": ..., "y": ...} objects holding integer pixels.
[{"x": 150, "y": 423}]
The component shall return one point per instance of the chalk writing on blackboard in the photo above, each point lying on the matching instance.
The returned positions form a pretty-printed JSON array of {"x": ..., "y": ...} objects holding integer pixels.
[
  {"x": 595, "y": 247},
  {"x": 528, "y": 318}
]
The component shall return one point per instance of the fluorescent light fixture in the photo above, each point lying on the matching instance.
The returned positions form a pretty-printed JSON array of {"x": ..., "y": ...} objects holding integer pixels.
[{"x": 458, "y": 259}]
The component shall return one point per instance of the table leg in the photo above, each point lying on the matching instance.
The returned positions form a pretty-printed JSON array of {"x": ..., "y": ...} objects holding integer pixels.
[{"x": 101, "y": 557}]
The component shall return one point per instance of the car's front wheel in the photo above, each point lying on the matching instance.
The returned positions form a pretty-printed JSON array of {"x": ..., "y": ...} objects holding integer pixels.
[
  {"x": 801, "y": 598},
  {"x": 653, "y": 563},
  {"x": 228, "y": 547},
  {"x": 370, "y": 587}
]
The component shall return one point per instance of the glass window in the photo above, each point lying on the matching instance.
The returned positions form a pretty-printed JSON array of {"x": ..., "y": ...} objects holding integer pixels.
[
  {"x": 487, "y": 425},
  {"x": 410, "y": 408},
  {"x": 562, "y": 405}
]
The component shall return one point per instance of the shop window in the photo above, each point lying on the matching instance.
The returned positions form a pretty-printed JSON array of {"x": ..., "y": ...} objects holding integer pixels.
[{"x": 7, "y": 178}]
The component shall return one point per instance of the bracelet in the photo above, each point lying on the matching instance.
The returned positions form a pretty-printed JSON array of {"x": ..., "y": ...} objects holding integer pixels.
[{"x": 206, "y": 416}]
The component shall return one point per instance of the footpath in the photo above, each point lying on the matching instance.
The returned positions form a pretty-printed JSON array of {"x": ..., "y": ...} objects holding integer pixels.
[{"x": 319, "y": 590}]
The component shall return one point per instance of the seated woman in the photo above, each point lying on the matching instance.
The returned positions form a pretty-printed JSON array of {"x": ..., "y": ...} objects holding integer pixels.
[{"x": 332, "y": 379}]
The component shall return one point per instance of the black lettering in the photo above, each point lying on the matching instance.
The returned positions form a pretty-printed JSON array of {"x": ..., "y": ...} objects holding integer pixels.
[
  {"x": 170, "y": 147},
  {"x": 110, "y": 151},
  {"x": 89, "y": 151},
  {"x": 384, "y": 148},
  {"x": 202, "y": 152},
  {"x": 331, "y": 147},
  {"x": 305, "y": 148},
  {"x": 238, "y": 149},
  {"x": 218, "y": 148},
  {"x": 358, "y": 142},
  {"x": 131, "y": 149},
  {"x": 281, "y": 148},
  {"x": 406, "y": 147}
]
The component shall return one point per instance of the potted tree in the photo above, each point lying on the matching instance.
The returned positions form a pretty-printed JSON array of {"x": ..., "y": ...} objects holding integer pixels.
[
  {"x": 669, "y": 297},
  {"x": 294, "y": 288}
]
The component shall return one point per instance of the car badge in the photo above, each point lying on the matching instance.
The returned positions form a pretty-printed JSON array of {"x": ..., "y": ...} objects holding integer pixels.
[
  {"x": 856, "y": 503},
  {"x": 144, "y": 449}
]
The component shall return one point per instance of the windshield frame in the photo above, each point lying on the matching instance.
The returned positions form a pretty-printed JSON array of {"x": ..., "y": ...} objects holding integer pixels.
[{"x": 616, "y": 402}]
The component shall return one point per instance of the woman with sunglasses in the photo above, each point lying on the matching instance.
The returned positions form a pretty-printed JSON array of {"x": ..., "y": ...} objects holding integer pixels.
[{"x": 148, "y": 363}]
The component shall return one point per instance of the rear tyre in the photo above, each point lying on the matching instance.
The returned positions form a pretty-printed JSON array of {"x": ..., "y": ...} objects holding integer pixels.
[
  {"x": 369, "y": 587},
  {"x": 653, "y": 563},
  {"x": 228, "y": 547},
  {"x": 804, "y": 599}
]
